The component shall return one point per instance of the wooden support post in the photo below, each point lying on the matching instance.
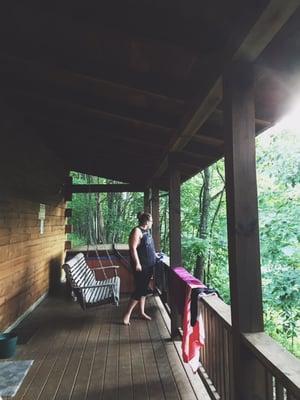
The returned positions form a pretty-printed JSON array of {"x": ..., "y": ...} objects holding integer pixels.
[
  {"x": 68, "y": 212},
  {"x": 68, "y": 245},
  {"x": 147, "y": 207},
  {"x": 68, "y": 188},
  {"x": 155, "y": 216},
  {"x": 68, "y": 228},
  {"x": 174, "y": 210},
  {"x": 175, "y": 233},
  {"x": 242, "y": 218}
]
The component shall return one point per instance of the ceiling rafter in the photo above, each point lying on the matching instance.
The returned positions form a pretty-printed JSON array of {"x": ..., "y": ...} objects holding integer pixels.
[
  {"x": 78, "y": 109},
  {"x": 33, "y": 70},
  {"x": 153, "y": 60},
  {"x": 105, "y": 133},
  {"x": 251, "y": 44},
  {"x": 209, "y": 140}
]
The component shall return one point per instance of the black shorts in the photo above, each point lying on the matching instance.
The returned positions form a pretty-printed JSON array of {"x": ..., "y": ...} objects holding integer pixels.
[{"x": 141, "y": 280}]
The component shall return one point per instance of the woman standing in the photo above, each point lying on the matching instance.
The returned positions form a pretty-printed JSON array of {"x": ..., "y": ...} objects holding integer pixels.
[{"x": 142, "y": 259}]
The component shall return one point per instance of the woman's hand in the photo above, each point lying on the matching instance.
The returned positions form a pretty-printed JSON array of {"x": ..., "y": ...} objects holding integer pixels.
[{"x": 138, "y": 267}]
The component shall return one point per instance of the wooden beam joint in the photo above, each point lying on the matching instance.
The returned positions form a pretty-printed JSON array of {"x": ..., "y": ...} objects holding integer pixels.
[{"x": 107, "y": 188}]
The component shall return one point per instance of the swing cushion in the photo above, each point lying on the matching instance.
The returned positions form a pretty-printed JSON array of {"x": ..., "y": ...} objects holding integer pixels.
[{"x": 87, "y": 290}]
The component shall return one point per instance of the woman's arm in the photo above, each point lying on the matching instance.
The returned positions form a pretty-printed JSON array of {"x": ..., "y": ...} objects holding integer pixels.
[{"x": 134, "y": 241}]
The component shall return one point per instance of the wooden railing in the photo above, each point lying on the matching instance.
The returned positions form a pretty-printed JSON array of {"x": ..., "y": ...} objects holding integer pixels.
[
  {"x": 277, "y": 369},
  {"x": 216, "y": 356}
]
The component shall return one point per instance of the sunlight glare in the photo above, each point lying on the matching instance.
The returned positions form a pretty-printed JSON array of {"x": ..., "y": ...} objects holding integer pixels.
[{"x": 291, "y": 121}]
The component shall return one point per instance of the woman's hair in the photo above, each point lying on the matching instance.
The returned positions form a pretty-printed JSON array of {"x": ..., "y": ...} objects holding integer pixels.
[{"x": 143, "y": 217}]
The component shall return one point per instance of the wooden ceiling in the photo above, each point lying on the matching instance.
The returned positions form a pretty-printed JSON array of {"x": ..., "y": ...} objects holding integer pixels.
[{"x": 114, "y": 87}]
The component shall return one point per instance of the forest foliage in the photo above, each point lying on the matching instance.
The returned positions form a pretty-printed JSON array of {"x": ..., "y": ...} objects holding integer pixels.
[{"x": 109, "y": 217}]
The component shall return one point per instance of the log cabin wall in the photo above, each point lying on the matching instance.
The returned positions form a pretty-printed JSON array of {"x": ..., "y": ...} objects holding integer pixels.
[{"x": 30, "y": 261}]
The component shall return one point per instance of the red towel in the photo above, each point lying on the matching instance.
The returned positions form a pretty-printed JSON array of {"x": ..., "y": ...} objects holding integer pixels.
[
  {"x": 182, "y": 283},
  {"x": 193, "y": 336}
]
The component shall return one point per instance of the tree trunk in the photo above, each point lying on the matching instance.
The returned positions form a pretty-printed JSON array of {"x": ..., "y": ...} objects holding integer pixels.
[
  {"x": 211, "y": 232},
  {"x": 101, "y": 234},
  {"x": 204, "y": 202},
  {"x": 164, "y": 225},
  {"x": 115, "y": 217},
  {"x": 110, "y": 213}
]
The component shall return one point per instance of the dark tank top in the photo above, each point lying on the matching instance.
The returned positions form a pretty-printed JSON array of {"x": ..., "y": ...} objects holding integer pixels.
[{"x": 146, "y": 250}]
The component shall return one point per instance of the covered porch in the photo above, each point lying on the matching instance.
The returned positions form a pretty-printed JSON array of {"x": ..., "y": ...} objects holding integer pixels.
[
  {"x": 92, "y": 355},
  {"x": 97, "y": 89}
]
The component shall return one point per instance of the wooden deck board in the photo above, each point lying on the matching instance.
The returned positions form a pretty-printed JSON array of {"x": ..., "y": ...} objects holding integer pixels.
[
  {"x": 140, "y": 389},
  {"x": 91, "y": 355},
  {"x": 125, "y": 370},
  {"x": 111, "y": 384},
  {"x": 70, "y": 374},
  {"x": 189, "y": 384},
  {"x": 83, "y": 372},
  {"x": 48, "y": 365},
  {"x": 155, "y": 389},
  {"x": 97, "y": 372},
  {"x": 42, "y": 355},
  {"x": 164, "y": 369},
  {"x": 56, "y": 374},
  {"x": 182, "y": 381}
]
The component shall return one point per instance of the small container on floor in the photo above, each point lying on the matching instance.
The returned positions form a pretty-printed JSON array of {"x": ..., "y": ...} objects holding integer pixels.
[{"x": 8, "y": 344}]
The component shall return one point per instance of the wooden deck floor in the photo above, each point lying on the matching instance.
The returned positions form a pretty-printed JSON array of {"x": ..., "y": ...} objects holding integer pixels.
[{"x": 91, "y": 355}]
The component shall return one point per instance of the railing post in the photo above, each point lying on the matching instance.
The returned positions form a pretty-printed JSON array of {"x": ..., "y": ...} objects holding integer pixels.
[
  {"x": 242, "y": 219},
  {"x": 175, "y": 232},
  {"x": 175, "y": 214},
  {"x": 155, "y": 216}
]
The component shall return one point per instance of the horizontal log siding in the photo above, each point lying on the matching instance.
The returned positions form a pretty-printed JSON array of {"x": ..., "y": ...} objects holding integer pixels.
[
  {"x": 26, "y": 255},
  {"x": 30, "y": 174}
]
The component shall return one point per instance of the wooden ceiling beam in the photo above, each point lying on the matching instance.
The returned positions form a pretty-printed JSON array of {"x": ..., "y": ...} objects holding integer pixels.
[
  {"x": 84, "y": 46},
  {"x": 69, "y": 128},
  {"x": 40, "y": 71},
  {"x": 106, "y": 188},
  {"x": 54, "y": 104},
  {"x": 111, "y": 165},
  {"x": 193, "y": 168},
  {"x": 248, "y": 45},
  {"x": 209, "y": 140},
  {"x": 109, "y": 152},
  {"x": 259, "y": 121},
  {"x": 188, "y": 155},
  {"x": 86, "y": 150},
  {"x": 185, "y": 24},
  {"x": 203, "y": 150},
  {"x": 127, "y": 175},
  {"x": 33, "y": 76}
]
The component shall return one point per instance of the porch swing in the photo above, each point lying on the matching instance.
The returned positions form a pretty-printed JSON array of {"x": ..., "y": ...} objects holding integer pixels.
[{"x": 86, "y": 289}]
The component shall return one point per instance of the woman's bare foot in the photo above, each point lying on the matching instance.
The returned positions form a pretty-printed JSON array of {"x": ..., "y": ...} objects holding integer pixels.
[
  {"x": 145, "y": 316},
  {"x": 126, "y": 320}
]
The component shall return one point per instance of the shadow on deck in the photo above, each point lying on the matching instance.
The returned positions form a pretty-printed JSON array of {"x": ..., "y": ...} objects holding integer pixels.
[{"x": 91, "y": 355}]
